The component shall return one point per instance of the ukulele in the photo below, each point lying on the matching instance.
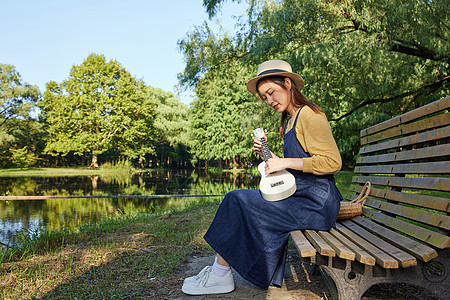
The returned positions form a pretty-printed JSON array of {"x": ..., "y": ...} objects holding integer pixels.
[{"x": 278, "y": 185}]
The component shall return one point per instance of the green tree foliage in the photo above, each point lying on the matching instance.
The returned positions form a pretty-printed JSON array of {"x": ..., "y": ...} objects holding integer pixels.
[
  {"x": 17, "y": 128},
  {"x": 23, "y": 158},
  {"x": 362, "y": 61},
  {"x": 171, "y": 122},
  {"x": 21, "y": 134},
  {"x": 98, "y": 108},
  {"x": 16, "y": 97},
  {"x": 224, "y": 114}
]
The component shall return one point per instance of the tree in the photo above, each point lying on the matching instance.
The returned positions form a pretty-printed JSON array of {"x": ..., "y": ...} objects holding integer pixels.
[
  {"x": 362, "y": 61},
  {"x": 171, "y": 122},
  {"x": 16, "y": 97},
  {"x": 17, "y": 127},
  {"x": 224, "y": 115},
  {"x": 23, "y": 158},
  {"x": 99, "y": 107}
]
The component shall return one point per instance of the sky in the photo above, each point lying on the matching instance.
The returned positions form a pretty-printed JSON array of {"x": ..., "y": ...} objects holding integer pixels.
[{"x": 44, "y": 39}]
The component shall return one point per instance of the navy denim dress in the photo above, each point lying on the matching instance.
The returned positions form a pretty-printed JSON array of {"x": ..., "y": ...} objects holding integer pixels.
[{"x": 251, "y": 234}]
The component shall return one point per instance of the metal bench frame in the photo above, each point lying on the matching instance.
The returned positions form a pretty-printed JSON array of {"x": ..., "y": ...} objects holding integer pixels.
[{"x": 402, "y": 236}]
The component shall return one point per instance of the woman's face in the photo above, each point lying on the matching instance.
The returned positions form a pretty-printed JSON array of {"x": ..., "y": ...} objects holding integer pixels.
[{"x": 275, "y": 96}]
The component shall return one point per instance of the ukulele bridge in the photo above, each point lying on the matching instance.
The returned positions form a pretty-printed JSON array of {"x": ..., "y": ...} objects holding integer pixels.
[{"x": 277, "y": 183}]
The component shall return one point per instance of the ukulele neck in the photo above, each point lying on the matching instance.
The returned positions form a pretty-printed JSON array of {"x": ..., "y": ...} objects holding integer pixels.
[{"x": 265, "y": 150}]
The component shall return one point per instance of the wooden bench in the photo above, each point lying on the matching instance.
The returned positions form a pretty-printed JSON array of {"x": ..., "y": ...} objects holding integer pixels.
[{"x": 403, "y": 233}]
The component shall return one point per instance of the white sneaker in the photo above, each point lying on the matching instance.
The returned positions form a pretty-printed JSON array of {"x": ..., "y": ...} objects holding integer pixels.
[{"x": 206, "y": 282}]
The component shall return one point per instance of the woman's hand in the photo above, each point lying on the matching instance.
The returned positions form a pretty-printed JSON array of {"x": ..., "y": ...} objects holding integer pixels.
[
  {"x": 277, "y": 164},
  {"x": 257, "y": 144},
  {"x": 274, "y": 165}
]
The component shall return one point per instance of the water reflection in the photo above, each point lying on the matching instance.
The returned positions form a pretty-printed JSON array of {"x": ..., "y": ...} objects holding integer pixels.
[{"x": 31, "y": 215}]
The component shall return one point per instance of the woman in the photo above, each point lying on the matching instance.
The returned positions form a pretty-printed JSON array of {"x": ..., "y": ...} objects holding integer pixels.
[{"x": 251, "y": 234}]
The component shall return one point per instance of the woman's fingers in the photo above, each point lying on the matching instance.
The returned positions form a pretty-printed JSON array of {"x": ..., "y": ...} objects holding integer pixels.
[{"x": 257, "y": 145}]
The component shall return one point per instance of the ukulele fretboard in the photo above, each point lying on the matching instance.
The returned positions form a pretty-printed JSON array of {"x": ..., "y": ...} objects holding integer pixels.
[{"x": 265, "y": 150}]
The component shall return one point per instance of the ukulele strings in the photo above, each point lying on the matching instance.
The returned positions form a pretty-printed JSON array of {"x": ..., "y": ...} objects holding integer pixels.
[{"x": 273, "y": 181}]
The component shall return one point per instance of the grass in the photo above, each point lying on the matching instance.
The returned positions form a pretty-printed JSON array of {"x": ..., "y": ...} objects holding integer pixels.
[
  {"x": 343, "y": 182},
  {"x": 114, "y": 258},
  {"x": 54, "y": 172},
  {"x": 64, "y": 171}
]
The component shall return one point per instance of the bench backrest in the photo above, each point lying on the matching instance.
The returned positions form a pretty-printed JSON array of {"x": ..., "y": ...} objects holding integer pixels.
[{"x": 406, "y": 159}]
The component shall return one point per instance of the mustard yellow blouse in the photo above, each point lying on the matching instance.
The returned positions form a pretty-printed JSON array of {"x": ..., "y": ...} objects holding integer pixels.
[{"x": 315, "y": 136}]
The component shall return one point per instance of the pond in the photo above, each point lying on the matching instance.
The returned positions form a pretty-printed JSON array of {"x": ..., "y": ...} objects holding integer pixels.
[{"x": 27, "y": 217}]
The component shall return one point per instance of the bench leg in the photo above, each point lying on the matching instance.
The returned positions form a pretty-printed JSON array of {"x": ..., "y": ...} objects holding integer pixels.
[{"x": 346, "y": 283}]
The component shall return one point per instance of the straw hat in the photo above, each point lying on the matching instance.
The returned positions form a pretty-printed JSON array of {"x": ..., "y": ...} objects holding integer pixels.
[{"x": 271, "y": 68}]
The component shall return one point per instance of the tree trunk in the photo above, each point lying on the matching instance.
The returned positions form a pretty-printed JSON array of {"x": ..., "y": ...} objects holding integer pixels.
[{"x": 94, "y": 162}]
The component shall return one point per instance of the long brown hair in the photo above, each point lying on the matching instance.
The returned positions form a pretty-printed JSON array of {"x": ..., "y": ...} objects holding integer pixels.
[{"x": 296, "y": 97}]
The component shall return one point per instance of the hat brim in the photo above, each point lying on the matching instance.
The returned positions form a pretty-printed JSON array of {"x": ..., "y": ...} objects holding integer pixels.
[{"x": 297, "y": 79}]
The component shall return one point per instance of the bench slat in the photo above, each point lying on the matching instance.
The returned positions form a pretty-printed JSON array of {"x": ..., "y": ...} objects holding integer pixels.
[
  {"x": 411, "y": 128},
  {"x": 413, "y": 247},
  {"x": 419, "y": 138},
  {"x": 426, "y": 183},
  {"x": 341, "y": 250},
  {"x": 426, "y": 201},
  {"x": 382, "y": 258},
  {"x": 437, "y": 167},
  {"x": 433, "y": 238},
  {"x": 426, "y": 217},
  {"x": 304, "y": 248},
  {"x": 420, "y": 112},
  {"x": 422, "y": 153},
  {"x": 405, "y": 259},
  {"x": 360, "y": 255},
  {"x": 321, "y": 246}
]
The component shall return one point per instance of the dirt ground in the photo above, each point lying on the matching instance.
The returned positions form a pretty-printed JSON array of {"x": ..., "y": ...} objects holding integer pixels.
[{"x": 296, "y": 285}]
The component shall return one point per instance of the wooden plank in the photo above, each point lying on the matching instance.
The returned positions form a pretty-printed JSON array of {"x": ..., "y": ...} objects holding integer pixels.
[
  {"x": 360, "y": 255},
  {"x": 405, "y": 259},
  {"x": 305, "y": 249},
  {"x": 341, "y": 250},
  {"x": 436, "y": 167},
  {"x": 421, "y": 153},
  {"x": 411, "y": 128},
  {"x": 426, "y": 183},
  {"x": 426, "y": 217},
  {"x": 321, "y": 246},
  {"x": 433, "y": 238},
  {"x": 422, "y": 111},
  {"x": 419, "y": 138},
  {"x": 432, "y": 202},
  {"x": 382, "y": 258},
  {"x": 413, "y": 247}
]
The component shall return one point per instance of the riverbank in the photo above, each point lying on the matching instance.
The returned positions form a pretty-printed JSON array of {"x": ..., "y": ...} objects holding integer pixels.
[
  {"x": 63, "y": 171},
  {"x": 114, "y": 258},
  {"x": 105, "y": 169}
]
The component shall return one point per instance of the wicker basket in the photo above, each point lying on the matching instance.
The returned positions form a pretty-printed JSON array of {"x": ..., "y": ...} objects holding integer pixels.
[{"x": 354, "y": 208}]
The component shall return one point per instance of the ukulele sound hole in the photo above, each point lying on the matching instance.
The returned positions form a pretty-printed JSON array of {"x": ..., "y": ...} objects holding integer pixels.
[{"x": 277, "y": 183}]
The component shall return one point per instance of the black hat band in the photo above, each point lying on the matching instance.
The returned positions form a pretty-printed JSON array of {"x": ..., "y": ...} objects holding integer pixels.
[{"x": 273, "y": 71}]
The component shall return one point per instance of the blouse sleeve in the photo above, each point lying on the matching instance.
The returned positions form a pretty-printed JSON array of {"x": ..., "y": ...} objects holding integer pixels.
[{"x": 320, "y": 144}]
